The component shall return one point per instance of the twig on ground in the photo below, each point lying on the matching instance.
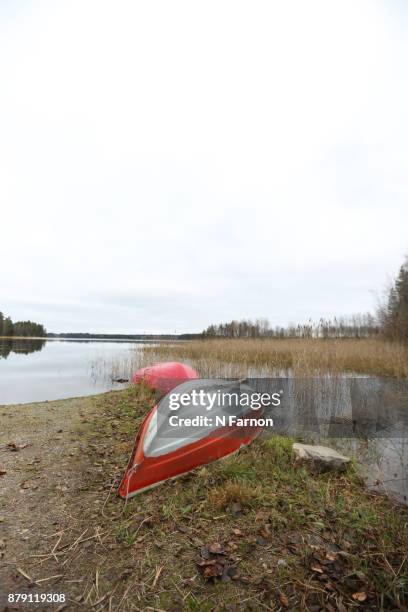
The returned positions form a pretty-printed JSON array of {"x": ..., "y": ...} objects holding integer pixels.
[
  {"x": 159, "y": 570},
  {"x": 23, "y": 573},
  {"x": 49, "y": 578}
]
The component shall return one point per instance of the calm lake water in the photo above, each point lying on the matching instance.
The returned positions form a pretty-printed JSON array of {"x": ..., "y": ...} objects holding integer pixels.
[
  {"x": 363, "y": 417},
  {"x": 366, "y": 418},
  {"x": 39, "y": 370}
]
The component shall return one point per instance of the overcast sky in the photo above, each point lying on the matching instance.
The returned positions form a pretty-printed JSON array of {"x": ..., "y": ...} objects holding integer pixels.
[{"x": 167, "y": 165}]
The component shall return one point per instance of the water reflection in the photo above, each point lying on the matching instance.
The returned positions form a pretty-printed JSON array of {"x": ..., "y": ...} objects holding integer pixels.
[
  {"x": 19, "y": 345},
  {"x": 364, "y": 417},
  {"x": 43, "y": 370}
]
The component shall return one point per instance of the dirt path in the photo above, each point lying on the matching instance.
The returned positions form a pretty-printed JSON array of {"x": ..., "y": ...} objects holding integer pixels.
[
  {"x": 61, "y": 523},
  {"x": 43, "y": 452}
]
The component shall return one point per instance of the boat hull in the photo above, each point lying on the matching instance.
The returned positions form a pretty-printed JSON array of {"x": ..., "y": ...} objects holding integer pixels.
[
  {"x": 144, "y": 472},
  {"x": 164, "y": 376},
  {"x": 181, "y": 433}
]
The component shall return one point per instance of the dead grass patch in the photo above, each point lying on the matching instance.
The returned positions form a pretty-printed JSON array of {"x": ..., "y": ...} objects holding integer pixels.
[
  {"x": 222, "y": 497},
  {"x": 224, "y": 357}
]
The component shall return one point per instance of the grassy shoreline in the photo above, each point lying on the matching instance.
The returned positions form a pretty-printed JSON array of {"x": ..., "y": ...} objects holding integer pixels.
[{"x": 251, "y": 532}]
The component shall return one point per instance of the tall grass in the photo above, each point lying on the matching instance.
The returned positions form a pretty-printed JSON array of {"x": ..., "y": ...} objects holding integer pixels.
[{"x": 246, "y": 357}]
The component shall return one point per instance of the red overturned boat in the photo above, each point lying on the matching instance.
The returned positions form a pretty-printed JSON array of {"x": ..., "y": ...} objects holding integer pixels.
[
  {"x": 164, "y": 376},
  {"x": 190, "y": 426}
]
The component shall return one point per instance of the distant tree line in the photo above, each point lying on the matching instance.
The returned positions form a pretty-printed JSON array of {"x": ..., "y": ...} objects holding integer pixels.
[
  {"x": 356, "y": 326},
  {"x": 391, "y": 321},
  {"x": 393, "y": 314},
  {"x": 88, "y": 336},
  {"x": 20, "y": 328}
]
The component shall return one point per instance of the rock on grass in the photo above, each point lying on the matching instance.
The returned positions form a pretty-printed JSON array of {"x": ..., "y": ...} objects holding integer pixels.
[{"x": 320, "y": 458}]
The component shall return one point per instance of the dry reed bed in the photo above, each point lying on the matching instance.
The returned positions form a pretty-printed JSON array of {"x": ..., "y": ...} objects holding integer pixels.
[{"x": 301, "y": 356}]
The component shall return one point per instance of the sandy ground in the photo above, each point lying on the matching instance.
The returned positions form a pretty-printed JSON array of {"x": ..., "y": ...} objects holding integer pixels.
[{"x": 42, "y": 452}]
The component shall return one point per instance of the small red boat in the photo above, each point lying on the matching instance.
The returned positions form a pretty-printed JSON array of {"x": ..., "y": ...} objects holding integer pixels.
[
  {"x": 167, "y": 445},
  {"x": 164, "y": 376}
]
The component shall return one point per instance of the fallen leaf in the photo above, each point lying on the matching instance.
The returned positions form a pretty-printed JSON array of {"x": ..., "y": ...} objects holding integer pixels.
[
  {"x": 216, "y": 548},
  {"x": 2, "y": 470},
  {"x": 293, "y": 548},
  {"x": 317, "y": 568},
  {"x": 359, "y": 596},
  {"x": 283, "y": 600},
  {"x": 233, "y": 572},
  {"x": 25, "y": 485},
  {"x": 261, "y": 541},
  {"x": 329, "y": 587},
  {"x": 206, "y": 562},
  {"x": 320, "y": 560},
  {"x": 236, "y": 509},
  {"x": 230, "y": 573},
  {"x": 237, "y": 532},
  {"x": 212, "y": 571},
  {"x": 13, "y": 446},
  {"x": 205, "y": 553}
]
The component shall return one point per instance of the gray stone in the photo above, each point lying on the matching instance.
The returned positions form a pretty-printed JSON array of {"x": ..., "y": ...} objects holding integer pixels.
[{"x": 320, "y": 458}]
